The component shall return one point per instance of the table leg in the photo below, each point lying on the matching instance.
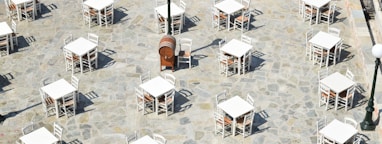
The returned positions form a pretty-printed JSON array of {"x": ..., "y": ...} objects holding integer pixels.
[
  {"x": 318, "y": 13},
  {"x": 57, "y": 111},
  {"x": 11, "y": 41},
  {"x": 81, "y": 65},
  {"x": 156, "y": 105},
  {"x": 239, "y": 67},
  {"x": 18, "y": 12},
  {"x": 228, "y": 22},
  {"x": 234, "y": 127},
  {"x": 336, "y": 102}
]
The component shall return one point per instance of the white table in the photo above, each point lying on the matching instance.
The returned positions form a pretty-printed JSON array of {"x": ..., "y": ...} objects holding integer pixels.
[
  {"x": 175, "y": 11},
  {"x": 20, "y": 3},
  {"x": 145, "y": 140},
  {"x": 80, "y": 47},
  {"x": 6, "y": 30},
  {"x": 318, "y": 4},
  {"x": 98, "y": 5},
  {"x": 39, "y": 136},
  {"x": 235, "y": 107},
  {"x": 229, "y": 7},
  {"x": 57, "y": 90},
  {"x": 338, "y": 131},
  {"x": 237, "y": 49},
  {"x": 157, "y": 87},
  {"x": 337, "y": 83},
  {"x": 326, "y": 41}
]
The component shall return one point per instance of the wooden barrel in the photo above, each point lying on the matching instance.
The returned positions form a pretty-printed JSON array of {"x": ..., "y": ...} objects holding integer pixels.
[{"x": 167, "y": 47}]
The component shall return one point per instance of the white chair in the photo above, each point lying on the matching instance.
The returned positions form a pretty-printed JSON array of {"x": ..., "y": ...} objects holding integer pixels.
[
  {"x": 222, "y": 42},
  {"x": 335, "y": 53},
  {"x": 143, "y": 101},
  {"x": 176, "y": 24},
  {"x": 145, "y": 76},
  {"x": 90, "y": 16},
  {"x": 184, "y": 55},
  {"x": 351, "y": 122},
  {"x": 160, "y": 2},
  {"x": 334, "y": 31},
  {"x": 47, "y": 104},
  {"x": 10, "y": 10},
  {"x": 251, "y": 100},
  {"x": 75, "y": 83},
  {"x": 227, "y": 64},
  {"x": 159, "y": 138},
  {"x": 91, "y": 59},
  {"x": 218, "y": 19},
  {"x": 327, "y": 14},
  {"x": 349, "y": 74},
  {"x": 69, "y": 105},
  {"x": 244, "y": 124},
  {"x": 57, "y": 131},
  {"x": 131, "y": 138},
  {"x": 107, "y": 15},
  {"x": 346, "y": 99},
  {"x": 358, "y": 139},
  {"x": 246, "y": 4},
  {"x": 68, "y": 39},
  {"x": 71, "y": 61},
  {"x": 214, "y": 2},
  {"x": 246, "y": 39},
  {"x": 323, "y": 73},
  {"x": 28, "y": 128},
  {"x": 220, "y": 97},
  {"x": 319, "y": 55},
  {"x": 308, "y": 35},
  {"x": 246, "y": 61},
  {"x": 4, "y": 43},
  {"x": 222, "y": 124},
  {"x": 161, "y": 22},
  {"x": 166, "y": 103},
  {"x": 182, "y": 4},
  {"x": 38, "y": 6},
  {"x": 170, "y": 78},
  {"x": 309, "y": 13},
  {"x": 301, "y": 7},
  {"x": 93, "y": 38},
  {"x": 325, "y": 96},
  {"x": 14, "y": 32},
  {"x": 243, "y": 21},
  {"x": 28, "y": 11},
  {"x": 320, "y": 124}
]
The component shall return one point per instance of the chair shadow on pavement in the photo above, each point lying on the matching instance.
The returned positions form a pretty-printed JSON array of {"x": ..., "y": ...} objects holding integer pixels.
[
  {"x": 181, "y": 100},
  {"x": 259, "y": 119},
  {"x": 85, "y": 101},
  {"x": 5, "y": 81},
  {"x": 256, "y": 61},
  {"x": 120, "y": 15},
  {"x": 76, "y": 141}
]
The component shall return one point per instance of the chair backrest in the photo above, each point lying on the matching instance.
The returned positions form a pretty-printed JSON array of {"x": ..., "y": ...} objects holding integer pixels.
[
  {"x": 248, "y": 119},
  {"x": 246, "y": 14},
  {"x": 250, "y": 99},
  {"x": 350, "y": 92},
  {"x": 222, "y": 42},
  {"x": 170, "y": 78},
  {"x": 57, "y": 130},
  {"x": 219, "y": 118},
  {"x": 334, "y": 31},
  {"x": 13, "y": 26},
  {"x": 169, "y": 97},
  {"x": 308, "y": 36},
  {"x": 159, "y": 138},
  {"x": 75, "y": 81},
  {"x": 349, "y": 74},
  {"x": 28, "y": 128},
  {"x": 220, "y": 97},
  {"x": 145, "y": 76},
  {"x": 68, "y": 55},
  {"x": 185, "y": 44},
  {"x": 182, "y": 4},
  {"x": 246, "y": 39},
  {"x": 351, "y": 122},
  {"x": 246, "y": 3},
  {"x": 131, "y": 138},
  {"x": 324, "y": 90},
  {"x": 93, "y": 38},
  {"x": 139, "y": 94},
  {"x": 68, "y": 39},
  {"x": 160, "y": 2},
  {"x": 4, "y": 40},
  {"x": 323, "y": 73},
  {"x": 332, "y": 9},
  {"x": 320, "y": 123}
]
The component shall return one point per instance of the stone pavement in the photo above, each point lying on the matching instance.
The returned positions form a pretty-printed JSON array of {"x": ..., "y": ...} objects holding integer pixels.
[{"x": 283, "y": 81}]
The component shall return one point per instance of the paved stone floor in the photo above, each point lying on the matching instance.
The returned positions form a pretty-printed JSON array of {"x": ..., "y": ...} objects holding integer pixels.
[{"x": 283, "y": 81}]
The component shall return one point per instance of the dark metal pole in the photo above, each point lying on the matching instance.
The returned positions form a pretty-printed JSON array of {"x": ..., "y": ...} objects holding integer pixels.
[
  {"x": 367, "y": 123},
  {"x": 168, "y": 17}
]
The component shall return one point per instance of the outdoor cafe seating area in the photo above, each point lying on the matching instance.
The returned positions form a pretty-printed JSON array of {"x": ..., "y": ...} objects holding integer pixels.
[{"x": 217, "y": 71}]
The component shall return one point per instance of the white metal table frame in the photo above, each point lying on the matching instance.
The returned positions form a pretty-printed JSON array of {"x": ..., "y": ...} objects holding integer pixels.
[
  {"x": 145, "y": 140},
  {"x": 326, "y": 41},
  {"x": 318, "y": 4},
  {"x": 99, "y": 5},
  {"x": 237, "y": 49},
  {"x": 235, "y": 107},
  {"x": 337, "y": 83},
  {"x": 229, "y": 7},
  {"x": 338, "y": 131},
  {"x": 175, "y": 11},
  {"x": 157, "y": 87},
  {"x": 6, "y": 30},
  {"x": 20, "y": 2},
  {"x": 80, "y": 47},
  {"x": 57, "y": 90},
  {"x": 39, "y": 136}
]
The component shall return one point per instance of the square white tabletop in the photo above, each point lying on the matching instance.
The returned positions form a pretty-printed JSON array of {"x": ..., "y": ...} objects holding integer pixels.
[
  {"x": 98, "y": 4},
  {"x": 58, "y": 89},
  {"x": 338, "y": 131},
  {"x": 80, "y": 46},
  {"x": 17, "y": 2},
  {"x": 337, "y": 82},
  {"x": 229, "y": 6},
  {"x": 235, "y": 106},
  {"x": 317, "y": 3},
  {"x": 325, "y": 40},
  {"x": 5, "y": 29},
  {"x": 236, "y": 48},
  {"x": 175, "y": 10},
  {"x": 157, "y": 86},
  {"x": 145, "y": 140},
  {"x": 39, "y": 136}
]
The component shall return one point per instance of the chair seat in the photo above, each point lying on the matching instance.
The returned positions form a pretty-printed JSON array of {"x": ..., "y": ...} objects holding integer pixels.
[
  {"x": 148, "y": 98},
  {"x": 12, "y": 7},
  {"x": 184, "y": 53},
  {"x": 314, "y": 11},
  {"x": 3, "y": 43},
  {"x": 49, "y": 101},
  {"x": 230, "y": 61},
  {"x": 242, "y": 19}
]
